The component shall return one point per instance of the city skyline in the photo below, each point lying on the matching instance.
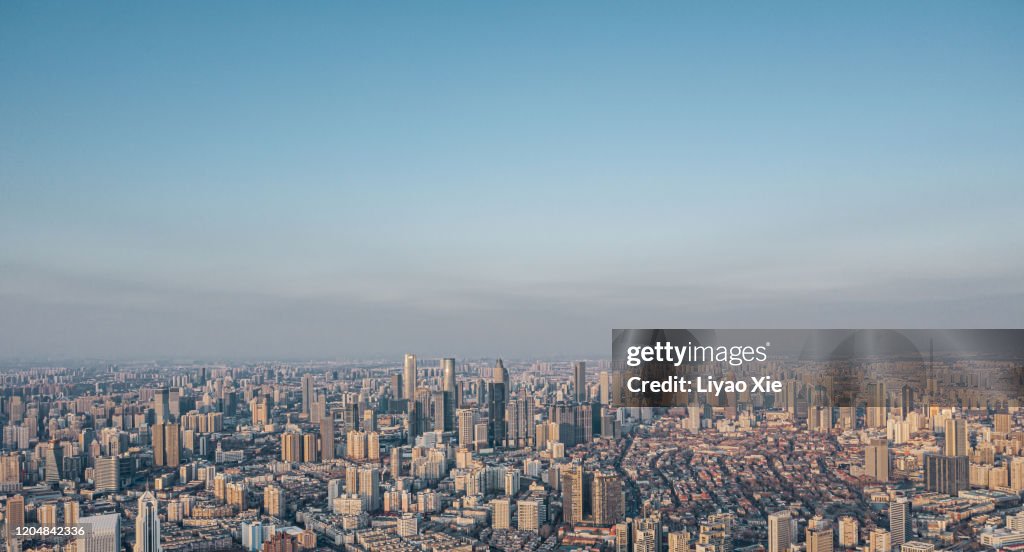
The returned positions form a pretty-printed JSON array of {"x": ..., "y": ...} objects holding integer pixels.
[{"x": 353, "y": 181}]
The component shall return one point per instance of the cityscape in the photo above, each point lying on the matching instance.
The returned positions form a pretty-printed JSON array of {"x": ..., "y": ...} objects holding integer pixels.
[{"x": 442, "y": 454}]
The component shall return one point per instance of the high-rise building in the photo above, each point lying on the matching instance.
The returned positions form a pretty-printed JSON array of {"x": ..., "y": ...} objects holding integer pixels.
[
  {"x": 519, "y": 423},
  {"x": 529, "y": 515},
  {"x": 496, "y": 394},
  {"x": 879, "y": 541},
  {"x": 260, "y": 407},
  {"x": 956, "y": 440},
  {"x": 309, "y": 448},
  {"x": 167, "y": 445},
  {"x": 1003, "y": 422},
  {"x": 467, "y": 419},
  {"x": 274, "y": 502},
  {"x": 450, "y": 389},
  {"x": 579, "y": 380},
  {"x": 624, "y": 536},
  {"x": 308, "y": 394},
  {"x": 501, "y": 513},
  {"x": 71, "y": 511},
  {"x": 15, "y": 517},
  {"x": 876, "y": 460},
  {"x": 327, "y": 437},
  {"x": 102, "y": 533},
  {"x": 162, "y": 405},
  {"x": 608, "y": 503},
  {"x": 899, "y": 521},
  {"x": 849, "y": 530},
  {"x": 147, "y": 524},
  {"x": 369, "y": 488},
  {"x": 946, "y": 474},
  {"x": 54, "y": 468},
  {"x": 716, "y": 533},
  {"x": 1016, "y": 474},
  {"x": 281, "y": 542},
  {"x": 679, "y": 541},
  {"x": 574, "y": 493},
  {"x": 819, "y": 535},
  {"x": 409, "y": 378},
  {"x": 291, "y": 447},
  {"x": 779, "y": 532},
  {"x": 46, "y": 514}
]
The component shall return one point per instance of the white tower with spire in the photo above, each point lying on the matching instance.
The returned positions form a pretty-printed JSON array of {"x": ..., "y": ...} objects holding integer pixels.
[{"x": 147, "y": 524}]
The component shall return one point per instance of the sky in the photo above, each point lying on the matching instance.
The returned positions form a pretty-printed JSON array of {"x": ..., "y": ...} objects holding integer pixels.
[{"x": 346, "y": 180}]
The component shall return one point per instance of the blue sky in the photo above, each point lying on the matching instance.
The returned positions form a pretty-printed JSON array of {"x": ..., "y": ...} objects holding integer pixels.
[{"x": 342, "y": 179}]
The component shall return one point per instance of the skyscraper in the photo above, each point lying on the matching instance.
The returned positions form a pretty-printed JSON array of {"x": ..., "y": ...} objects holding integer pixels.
[
  {"x": 946, "y": 474},
  {"x": 849, "y": 530},
  {"x": 54, "y": 462},
  {"x": 15, "y": 517},
  {"x": 327, "y": 436},
  {"x": 608, "y": 504},
  {"x": 501, "y": 513},
  {"x": 956, "y": 440},
  {"x": 779, "y": 532},
  {"x": 899, "y": 521},
  {"x": 147, "y": 524},
  {"x": 876, "y": 460},
  {"x": 166, "y": 445},
  {"x": 308, "y": 394},
  {"x": 102, "y": 533},
  {"x": 409, "y": 378},
  {"x": 579, "y": 380},
  {"x": 574, "y": 493}
]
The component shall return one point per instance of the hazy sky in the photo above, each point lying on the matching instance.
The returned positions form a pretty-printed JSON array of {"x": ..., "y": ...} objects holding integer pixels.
[{"x": 481, "y": 178}]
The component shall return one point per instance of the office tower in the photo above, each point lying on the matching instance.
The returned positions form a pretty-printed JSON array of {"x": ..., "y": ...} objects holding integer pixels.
[
  {"x": 350, "y": 415},
  {"x": 327, "y": 437},
  {"x": 71, "y": 511},
  {"x": 779, "y": 532},
  {"x": 946, "y": 474},
  {"x": 876, "y": 460},
  {"x": 448, "y": 375},
  {"x": 879, "y": 541},
  {"x": 102, "y": 533},
  {"x": 291, "y": 447},
  {"x": 107, "y": 474},
  {"x": 443, "y": 411},
  {"x": 308, "y": 394},
  {"x": 500, "y": 375},
  {"x": 15, "y": 517},
  {"x": 956, "y": 439},
  {"x": 1003, "y": 423},
  {"x": 274, "y": 502},
  {"x": 608, "y": 504},
  {"x": 10, "y": 469},
  {"x": 819, "y": 535},
  {"x": 162, "y": 405},
  {"x": 573, "y": 494},
  {"x": 309, "y": 449},
  {"x": 624, "y": 536},
  {"x": 409, "y": 378},
  {"x": 899, "y": 521},
  {"x": 519, "y": 423},
  {"x": 906, "y": 400},
  {"x": 579, "y": 380},
  {"x": 54, "y": 462},
  {"x": 147, "y": 524},
  {"x": 166, "y": 445},
  {"x": 260, "y": 407},
  {"x": 46, "y": 514},
  {"x": 876, "y": 407},
  {"x": 467, "y": 419},
  {"x": 849, "y": 532},
  {"x": 501, "y": 513},
  {"x": 604, "y": 384},
  {"x": 496, "y": 394}
]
